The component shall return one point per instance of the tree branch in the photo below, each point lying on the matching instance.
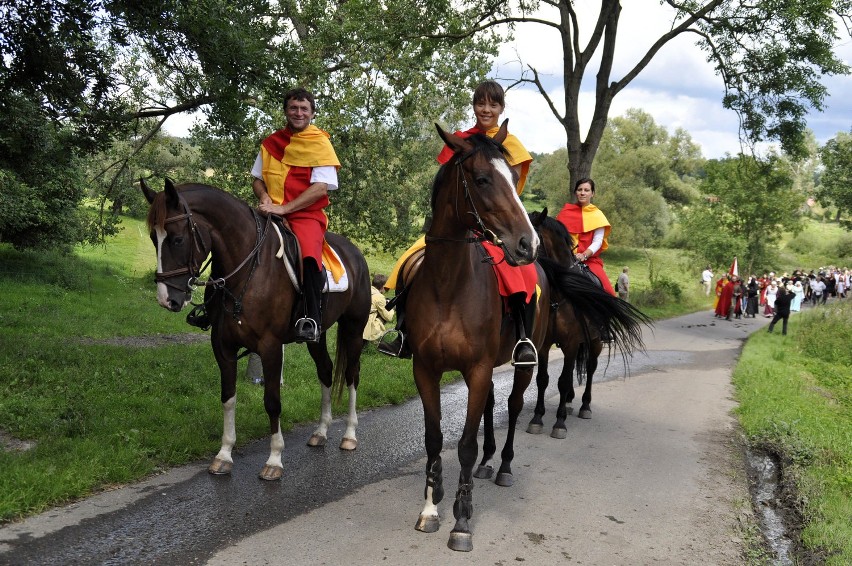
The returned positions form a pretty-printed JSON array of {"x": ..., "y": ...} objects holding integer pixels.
[{"x": 664, "y": 39}]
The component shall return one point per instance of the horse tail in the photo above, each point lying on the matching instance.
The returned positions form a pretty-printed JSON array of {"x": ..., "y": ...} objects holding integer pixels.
[
  {"x": 341, "y": 363},
  {"x": 581, "y": 361},
  {"x": 594, "y": 306}
]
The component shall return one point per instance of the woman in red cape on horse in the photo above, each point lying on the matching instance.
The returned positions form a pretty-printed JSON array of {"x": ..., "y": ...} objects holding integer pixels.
[
  {"x": 517, "y": 284},
  {"x": 589, "y": 230}
]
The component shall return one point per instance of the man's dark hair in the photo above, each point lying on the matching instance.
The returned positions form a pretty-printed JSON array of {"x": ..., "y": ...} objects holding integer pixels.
[{"x": 300, "y": 93}]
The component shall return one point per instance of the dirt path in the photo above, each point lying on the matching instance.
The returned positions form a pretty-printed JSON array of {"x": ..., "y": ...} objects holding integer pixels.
[{"x": 656, "y": 477}]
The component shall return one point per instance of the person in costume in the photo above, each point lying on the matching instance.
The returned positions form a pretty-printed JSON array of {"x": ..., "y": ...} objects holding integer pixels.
[
  {"x": 589, "y": 230},
  {"x": 726, "y": 295},
  {"x": 293, "y": 174},
  {"x": 517, "y": 284},
  {"x": 719, "y": 285}
]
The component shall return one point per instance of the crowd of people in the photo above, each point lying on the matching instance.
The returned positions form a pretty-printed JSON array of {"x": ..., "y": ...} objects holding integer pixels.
[{"x": 776, "y": 296}]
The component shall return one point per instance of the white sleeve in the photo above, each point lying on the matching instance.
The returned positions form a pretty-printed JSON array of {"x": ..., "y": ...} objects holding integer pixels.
[
  {"x": 597, "y": 241},
  {"x": 257, "y": 168},
  {"x": 325, "y": 174}
]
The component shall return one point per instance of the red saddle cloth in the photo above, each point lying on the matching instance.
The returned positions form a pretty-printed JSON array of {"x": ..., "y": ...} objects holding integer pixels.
[{"x": 511, "y": 279}]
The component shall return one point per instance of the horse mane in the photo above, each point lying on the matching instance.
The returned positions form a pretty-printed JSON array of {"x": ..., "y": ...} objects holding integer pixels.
[
  {"x": 552, "y": 224},
  {"x": 158, "y": 212},
  {"x": 489, "y": 146}
]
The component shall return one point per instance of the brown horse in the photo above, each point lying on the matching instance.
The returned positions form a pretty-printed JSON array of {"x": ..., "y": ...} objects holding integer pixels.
[
  {"x": 251, "y": 303},
  {"x": 579, "y": 312},
  {"x": 456, "y": 315}
]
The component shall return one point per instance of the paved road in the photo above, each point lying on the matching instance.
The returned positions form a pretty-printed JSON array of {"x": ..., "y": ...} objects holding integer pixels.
[{"x": 654, "y": 477}]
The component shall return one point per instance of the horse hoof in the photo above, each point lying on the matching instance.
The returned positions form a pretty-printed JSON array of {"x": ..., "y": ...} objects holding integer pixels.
[
  {"x": 349, "y": 444},
  {"x": 535, "y": 429},
  {"x": 271, "y": 473},
  {"x": 461, "y": 542},
  {"x": 317, "y": 440},
  {"x": 484, "y": 472},
  {"x": 427, "y": 524},
  {"x": 585, "y": 414},
  {"x": 220, "y": 467},
  {"x": 559, "y": 433},
  {"x": 505, "y": 480}
]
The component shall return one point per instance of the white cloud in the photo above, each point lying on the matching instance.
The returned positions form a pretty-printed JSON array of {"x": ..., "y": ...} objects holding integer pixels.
[{"x": 678, "y": 87}]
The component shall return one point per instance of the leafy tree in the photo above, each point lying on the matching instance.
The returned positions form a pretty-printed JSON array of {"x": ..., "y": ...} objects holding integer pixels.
[
  {"x": 377, "y": 69},
  {"x": 57, "y": 104},
  {"x": 748, "y": 203},
  {"x": 835, "y": 186},
  {"x": 771, "y": 56}
]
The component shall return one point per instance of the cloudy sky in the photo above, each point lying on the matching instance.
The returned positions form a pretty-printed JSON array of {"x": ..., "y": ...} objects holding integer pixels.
[{"x": 678, "y": 88}]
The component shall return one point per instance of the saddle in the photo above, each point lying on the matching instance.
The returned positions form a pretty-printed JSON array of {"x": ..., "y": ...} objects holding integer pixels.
[
  {"x": 584, "y": 270},
  {"x": 290, "y": 253},
  {"x": 407, "y": 272}
]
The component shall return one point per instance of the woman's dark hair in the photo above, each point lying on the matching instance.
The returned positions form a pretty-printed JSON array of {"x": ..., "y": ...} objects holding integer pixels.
[
  {"x": 584, "y": 180},
  {"x": 490, "y": 90}
]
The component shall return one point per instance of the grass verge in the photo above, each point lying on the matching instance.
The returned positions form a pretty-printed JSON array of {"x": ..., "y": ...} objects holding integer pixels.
[{"x": 795, "y": 400}]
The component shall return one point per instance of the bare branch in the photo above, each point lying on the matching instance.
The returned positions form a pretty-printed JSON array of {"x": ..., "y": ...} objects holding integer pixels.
[{"x": 664, "y": 39}]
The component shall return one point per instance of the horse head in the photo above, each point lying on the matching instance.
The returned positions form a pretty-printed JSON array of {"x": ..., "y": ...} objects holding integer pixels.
[
  {"x": 181, "y": 246},
  {"x": 489, "y": 204}
]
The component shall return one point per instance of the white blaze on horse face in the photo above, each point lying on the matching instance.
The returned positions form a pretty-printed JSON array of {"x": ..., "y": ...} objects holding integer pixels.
[
  {"x": 503, "y": 168},
  {"x": 162, "y": 290}
]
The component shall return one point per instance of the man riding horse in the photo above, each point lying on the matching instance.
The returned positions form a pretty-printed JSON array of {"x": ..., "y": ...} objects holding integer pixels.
[{"x": 293, "y": 173}]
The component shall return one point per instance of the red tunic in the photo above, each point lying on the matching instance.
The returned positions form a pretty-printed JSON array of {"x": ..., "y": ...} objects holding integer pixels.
[{"x": 581, "y": 223}]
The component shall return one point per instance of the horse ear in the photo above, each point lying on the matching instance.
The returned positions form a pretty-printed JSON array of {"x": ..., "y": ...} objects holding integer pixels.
[
  {"x": 544, "y": 212},
  {"x": 537, "y": 218},
  {"x": 146, "y": 190},
  {"x": 172, "y": 199},
  {"x": 500, "y": 137},
  {"x": 453, "y": 141}
]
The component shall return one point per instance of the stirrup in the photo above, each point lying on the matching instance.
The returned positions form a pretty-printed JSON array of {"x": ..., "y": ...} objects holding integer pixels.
[
  {"x": 307, "y": 330},
  {"x": 388, "y": 347},
  {"x": 524, "y": 363}
]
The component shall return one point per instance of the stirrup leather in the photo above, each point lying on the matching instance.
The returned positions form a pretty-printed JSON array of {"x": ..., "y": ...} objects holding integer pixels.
[
  {"x": 515, "y": 361},
  {"x": 308, "y": 329}
]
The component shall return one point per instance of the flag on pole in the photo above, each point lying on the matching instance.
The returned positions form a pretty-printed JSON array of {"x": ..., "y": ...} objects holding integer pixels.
[{"x": 734, "y": 270}]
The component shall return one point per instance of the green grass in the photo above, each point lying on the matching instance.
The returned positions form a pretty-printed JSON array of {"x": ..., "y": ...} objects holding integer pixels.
[
  {"x": 795, "y": 399},
  {"x": 101, "y": 415}
]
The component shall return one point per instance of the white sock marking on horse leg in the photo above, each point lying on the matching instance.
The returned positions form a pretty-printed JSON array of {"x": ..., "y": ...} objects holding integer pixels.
[
  {"x": 162, "y": 290},
  {"x": 352, "y": 422},
  {"x": 503, "y": 168},
  {"x": 276, "y": 447},
  {"x": 429, "y": 509},
  {"x": 325, "y": 413},
  {"x": 229, "y": 430}
]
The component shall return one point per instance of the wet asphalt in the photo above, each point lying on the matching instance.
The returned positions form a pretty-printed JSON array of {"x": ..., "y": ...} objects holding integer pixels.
[{"x": 186, "y": 516}]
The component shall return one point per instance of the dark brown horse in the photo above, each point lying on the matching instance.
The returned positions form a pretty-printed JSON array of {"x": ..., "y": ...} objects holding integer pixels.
[
  {"x": 456, "y": 315},
  {"x": 250, "y": 302},
  {"x": 579, "y": 312}
]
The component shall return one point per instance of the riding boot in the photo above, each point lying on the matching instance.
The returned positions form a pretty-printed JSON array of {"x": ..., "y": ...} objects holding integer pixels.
[
  {"x": 524, "y": 354},
  {"x": 398, "y": 347},
  {"x": 309, "y": 327}
]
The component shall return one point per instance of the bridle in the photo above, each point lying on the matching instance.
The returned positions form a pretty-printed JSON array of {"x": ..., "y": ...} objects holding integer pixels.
[
  {"x": 481, "y": 232},
  {"x": 190, "y": 268}
]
